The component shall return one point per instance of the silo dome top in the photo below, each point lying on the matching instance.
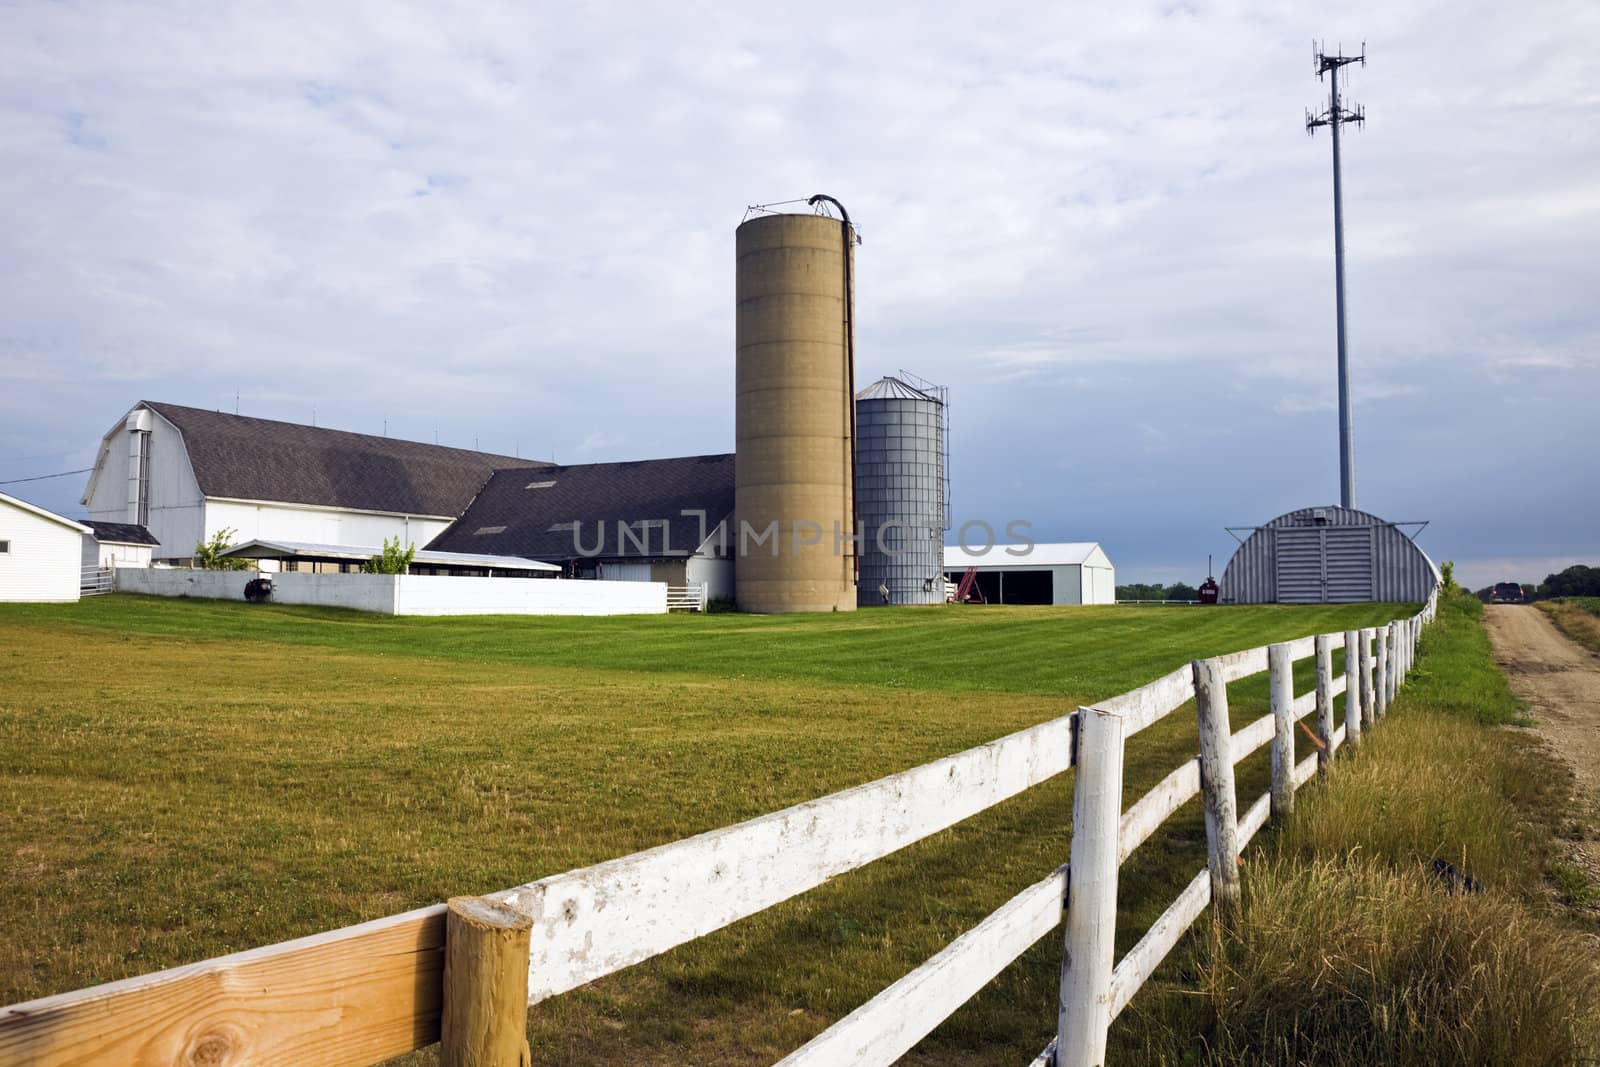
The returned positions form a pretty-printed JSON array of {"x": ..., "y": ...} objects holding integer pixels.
[{"x": 893, "y": 389}]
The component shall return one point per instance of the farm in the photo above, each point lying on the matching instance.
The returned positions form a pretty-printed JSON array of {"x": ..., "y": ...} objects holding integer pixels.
[{"x": 185, "y": 779}]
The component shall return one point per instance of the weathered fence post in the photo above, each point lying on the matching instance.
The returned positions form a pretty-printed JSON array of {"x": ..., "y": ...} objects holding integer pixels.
[
  {"x": 1324, "y": 703},
  {"x": 1352, "y": 689},
  {"x": 1368, "y": 696},
  {"x": 1280, "y": 689},
  {"x": 1396, "y": 657},
  {"x": 1217, "y": 789},
  {"x": 1084, "y": 1015},
  {"x": 1380, "y": 642},
  {"x": 485, "y": 1018}
]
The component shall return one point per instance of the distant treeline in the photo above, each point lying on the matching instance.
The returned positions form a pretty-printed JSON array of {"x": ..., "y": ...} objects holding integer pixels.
[
  {"x": 1176, "y": 591},
  {"x": 1576, "y": 580}
]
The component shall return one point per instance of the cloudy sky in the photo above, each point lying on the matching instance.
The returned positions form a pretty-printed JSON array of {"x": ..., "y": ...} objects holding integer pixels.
[{"x": 1104, "y": 229}]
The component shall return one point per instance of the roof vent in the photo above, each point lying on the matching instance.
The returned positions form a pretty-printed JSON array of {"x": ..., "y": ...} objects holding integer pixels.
[
  {"x": 480, "y": 531},
  {"x": 1319, "y": 515},
  {"x": 539, "y": 485}
]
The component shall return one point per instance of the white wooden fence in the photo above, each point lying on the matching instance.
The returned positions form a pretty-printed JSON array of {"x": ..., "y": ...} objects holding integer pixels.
[
  {"x": 690, "y": 597},
  {"x": 369, "y": 992}
]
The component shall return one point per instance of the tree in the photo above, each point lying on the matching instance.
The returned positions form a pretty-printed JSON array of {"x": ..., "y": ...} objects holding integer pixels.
[
  {"x": 1179, "y": 591},
  {"x": 1576, "y": 580},
  {"x": 393, "y": 560},
  {"x": 208, "y": 555}
]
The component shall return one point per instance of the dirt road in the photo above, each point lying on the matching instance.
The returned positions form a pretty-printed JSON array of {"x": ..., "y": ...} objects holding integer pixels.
[{"x": 1560, "y": 680}]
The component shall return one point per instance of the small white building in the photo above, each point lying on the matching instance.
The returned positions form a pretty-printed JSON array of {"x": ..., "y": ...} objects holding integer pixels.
[
  {"x": 41, "y": 553},
  {"x": 1078, "y": 572},
  {"x": 117, "y": 544}
]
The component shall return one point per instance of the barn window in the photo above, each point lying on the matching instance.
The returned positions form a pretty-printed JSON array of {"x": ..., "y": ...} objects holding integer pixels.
[{"x": 5, "y": 548}]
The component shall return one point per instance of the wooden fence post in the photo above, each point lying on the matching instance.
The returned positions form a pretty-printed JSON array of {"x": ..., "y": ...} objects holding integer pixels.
[
  {"x": 1368, "y": 696},
  {"x": 485, "y": 1018},
  {"x": 1324, "y": 703},
  {"x": 1217, "y": 789},
  {"x": 1396, "y": 657},
  {"x": 1084, "y": 1013},
  {"x": 1382, "y": 666},
  {"x": 1280, "y": 688},
  {"x": 1352, "y": 689}
]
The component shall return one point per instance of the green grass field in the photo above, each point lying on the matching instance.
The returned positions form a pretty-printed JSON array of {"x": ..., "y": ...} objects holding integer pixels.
[{"x": 183, "y": 779}]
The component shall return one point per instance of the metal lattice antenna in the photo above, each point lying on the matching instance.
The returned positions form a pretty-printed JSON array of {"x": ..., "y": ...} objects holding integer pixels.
[{"x": 1335, "y": 117}]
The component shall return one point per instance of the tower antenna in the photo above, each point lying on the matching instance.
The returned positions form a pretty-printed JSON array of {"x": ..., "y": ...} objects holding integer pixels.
[{"x": 1336, "y": 116}]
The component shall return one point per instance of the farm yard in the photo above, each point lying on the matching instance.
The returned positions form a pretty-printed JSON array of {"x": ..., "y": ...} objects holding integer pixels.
[{"x": 188, "y": 778}]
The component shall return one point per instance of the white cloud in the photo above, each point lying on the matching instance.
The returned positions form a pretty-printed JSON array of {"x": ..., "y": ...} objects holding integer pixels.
[{"x": 515, "y": 222}]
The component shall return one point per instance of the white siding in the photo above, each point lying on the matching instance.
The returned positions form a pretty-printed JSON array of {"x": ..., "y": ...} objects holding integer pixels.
[
  {"x": 96, "y": 554},
  {"x": 1099, "y": 584},
  {"x": 45, "y": 559},
  {"x": 715, "y": 574},
  {"x": 1068, "y": 585},
  {"x": 324, "y": 526},
  {"x": 176, "y": 507}
]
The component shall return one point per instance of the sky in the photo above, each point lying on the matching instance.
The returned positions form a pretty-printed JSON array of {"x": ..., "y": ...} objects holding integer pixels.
[{"x": 1103, "y": 227}]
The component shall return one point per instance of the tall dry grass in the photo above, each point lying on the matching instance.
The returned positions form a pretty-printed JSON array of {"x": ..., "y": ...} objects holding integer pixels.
[{"x": 1350, "y": 950}]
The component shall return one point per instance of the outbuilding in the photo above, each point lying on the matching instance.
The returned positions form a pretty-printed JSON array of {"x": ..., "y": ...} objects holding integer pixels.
[
  {"x": 1328, "y": 555},
  {"x": 117, "y": 544},
  {"x": 41, "y": 553},
  {"x": 1077, "y": 572}
]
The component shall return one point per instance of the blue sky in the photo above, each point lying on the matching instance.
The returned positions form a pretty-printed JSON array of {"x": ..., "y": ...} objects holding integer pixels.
[{"x": 1106, "y": 231}]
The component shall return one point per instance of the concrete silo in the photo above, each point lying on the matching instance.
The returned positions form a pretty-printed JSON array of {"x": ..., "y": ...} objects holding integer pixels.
[
  {"x": 900, "y": 494},
  {"x": 794, "y": 415}
]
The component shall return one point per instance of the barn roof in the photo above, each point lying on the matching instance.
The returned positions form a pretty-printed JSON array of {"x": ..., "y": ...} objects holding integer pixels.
[
  {"x": 120, "y": 533},
  {"x": 533, "y": 512},
  {"x": 246, "y": 458}
]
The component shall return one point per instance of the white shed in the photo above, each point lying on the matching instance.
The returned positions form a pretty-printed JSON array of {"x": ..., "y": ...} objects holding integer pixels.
[
  {"x": 41, "y": 553},
  {"x": 1077, "y": 572}
]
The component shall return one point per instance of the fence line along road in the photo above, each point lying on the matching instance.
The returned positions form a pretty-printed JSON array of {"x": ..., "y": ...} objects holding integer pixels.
[{"x": 365, "y": 993}]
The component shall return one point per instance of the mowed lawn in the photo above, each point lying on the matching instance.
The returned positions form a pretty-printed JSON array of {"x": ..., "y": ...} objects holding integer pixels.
[{"x": 182, "y": 779}]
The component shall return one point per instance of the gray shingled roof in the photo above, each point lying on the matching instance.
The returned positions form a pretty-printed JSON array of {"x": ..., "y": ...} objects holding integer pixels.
[
  {"x": 120, "y": 533},
  {"x": 531, "y": 512},
  {"x": 263, "y": 459}
]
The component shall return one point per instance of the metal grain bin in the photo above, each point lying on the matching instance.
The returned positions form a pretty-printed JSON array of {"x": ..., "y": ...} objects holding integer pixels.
[{"x": 900, "y": 494}]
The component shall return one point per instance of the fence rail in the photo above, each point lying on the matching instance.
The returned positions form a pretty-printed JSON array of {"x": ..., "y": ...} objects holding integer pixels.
[
  {"x": 94, "y": 581},
  {"x": 691, "y": 597},
  {"x": 365, "y": 993}
]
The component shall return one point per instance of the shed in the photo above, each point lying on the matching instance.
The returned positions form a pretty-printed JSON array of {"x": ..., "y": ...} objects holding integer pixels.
[
  {"x": 1077, "y": 572},
  {"x": 41, "y": 553},
  {"x": 117, "y": 544},
  {"x": 1328, "y": 555}
]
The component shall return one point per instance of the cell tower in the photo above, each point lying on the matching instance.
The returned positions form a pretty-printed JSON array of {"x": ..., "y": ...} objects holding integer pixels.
[{"x": 1334, "y": 117}]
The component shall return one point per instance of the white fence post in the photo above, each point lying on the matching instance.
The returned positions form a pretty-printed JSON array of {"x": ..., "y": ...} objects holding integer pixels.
[
  {"x": 1380, "y": 642},
  {"x": 1396, "y": 657},
  {"x": 1352, "y": 689},
  {"x": 1368, "y": 695},
  {"x": 1216, "y": 787},
  {"x": 1084, "y": 1013},
  {"x": 1280, "y": 687},
  {"x": 1324, "y": 703}
]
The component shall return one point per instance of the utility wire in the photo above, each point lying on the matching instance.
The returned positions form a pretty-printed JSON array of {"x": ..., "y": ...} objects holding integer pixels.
[{"x": 44, "y": 477}]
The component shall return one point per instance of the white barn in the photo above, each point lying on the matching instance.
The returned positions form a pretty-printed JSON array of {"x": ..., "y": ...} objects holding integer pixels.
[
  {"x": 185, "y": 473},
  {"x": 1077, "y": 572},
  {"x": 41, "y": 553}
]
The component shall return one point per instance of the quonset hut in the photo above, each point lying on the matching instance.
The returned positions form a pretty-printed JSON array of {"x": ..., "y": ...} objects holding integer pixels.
[
  {"x": 1328, "y": 555},
  {"x": 900, "y": 494}
]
